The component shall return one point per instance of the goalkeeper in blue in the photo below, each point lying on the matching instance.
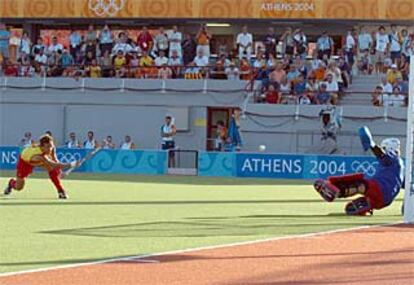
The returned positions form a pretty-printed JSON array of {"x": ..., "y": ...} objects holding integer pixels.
[{"x": 375, "y": 192}]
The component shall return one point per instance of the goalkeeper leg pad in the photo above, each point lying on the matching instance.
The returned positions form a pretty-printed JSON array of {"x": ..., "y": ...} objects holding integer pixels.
[
  {"x": 358, "y": 207},
  {"x": 327, "y": 190}
]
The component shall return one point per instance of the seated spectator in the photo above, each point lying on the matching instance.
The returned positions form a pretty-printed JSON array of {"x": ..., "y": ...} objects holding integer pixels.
[
  {"x": 316, "y": 62},
  {"x": 306, "y": 98},
  {"x": 345, "y": 72},
  {"x": 66, "y": 63},
  {"x": 120, "y": 64},
  {"x": 245, "y": 69},
  {"x": 175, "y": 63},
  {"x": 403, "y": 85},
  {"x": 301, "y": 67},
  {"x": 364, "y": 63},
  {"x": 404, "y": 67},
  {"x": 88, "y": 59},
  {"x": 232, "y": 72},
  {"x": 312, "y": 85},
  {"x": 192, "y": 72},
  {"x": 106, "y": 64},
  {"x": 39, "y": 46},
  {"x": 277, "y": 74},
  {"x": 107, "y": 143},
  {"x": 272, "y": 96},
  {"x": 271, "y": 61},
  {"x": 73, "y": 142},
  {"x": 54, "y": 46},
  {"x": 320, "y": 72},
  {"x": 333, "y": 88},
  {"x": 147, "y": 65},
  {"x": 218, "y": 71},
  {"x": 53, "y": 64},
  {"x": 376, "y": 96},
  {"x": 89, "y": 47},
  {"x": 128, "y": 143},
  {"x": 323, "y": 97},
  {"x": 386, "y": 86},
  {"x": 133, "y": 69},
  {"x": 93, "y": 70},
  {"x": 259, "y": 65},
  {"x": 90, "y": 142},
  {"x": 299, "y": 87},
  {"x": 393, "y": 74},
  {"x": 285, "y": 86},
  {"x": 122, "y": 45},
  {"x": 394, "y": 100},
  {"x": 161, "y": 59},
  {"x": 27, "y": 140},
  {"x": 165, "y": 72},
  {"x": 293, "y": 74}
]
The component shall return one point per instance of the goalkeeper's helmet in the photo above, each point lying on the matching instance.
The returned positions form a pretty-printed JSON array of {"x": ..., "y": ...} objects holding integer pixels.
[{"x": 391, "y": 144}]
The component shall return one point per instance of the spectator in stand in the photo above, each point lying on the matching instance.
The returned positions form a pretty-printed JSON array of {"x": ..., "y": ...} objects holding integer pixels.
[
  {"x": 320, "y": 73},
  {"x": 395, "y": 99},
  {"x": 52, "y": 64},
  {"x": 259, "y": 66},
  {"x": 365, "y": 64},
  {"x": 376, "y": 96},
  {"x": 201, "y": 59},
  {"x": 381, "y": 49},
  {"x": 312, "y": 85},
  {"x": 133, "y": 65},
  {"x": 120, "y": 64},
  {"x": 90, "y": 47},
  {"x": 324, "y": 46},
  {"x": 192, "y": 72},
  {"x": 37, "y": 47},
  {"x": 272, "y": 96},
  {"x": 91, "y": 34},
  {"x": 288, "y": 43},
  {"x": 386, "y": 86},
  {"x": 87, "y": 60},
  {"x": 175, "y": 38},
  {"x": 122, "y": 45},
  {"x": 106, "y": 64},
  {"x": 293, "y": 74},
  {"x": 147, "y": 66},
  {"x": 221, "y": 136},
  {"x": 4, "y": 41},
  {"x": 107, "y": 143},
  {"x": 218, "y": 71},
  {"x": 278, "y": 74},
  {"x": 245, "y": 42},
  {"x": 75, "y": 40},
  {"x": 336, "y": 74},
  {"x": 145, "y": 41},
  {"x": 232, "y": 72},
  {"x": 203, "y": 39},
  {"x": 222, "y": 48},
  {"x": 405, "y": 43},
  {"x": 73, "y": 142},
  {"x": 332, "y": 87},
  {"x": 25, "y": 68},
  {"x": 27, "y": 140},
  {"x": 245, "y": 69},
  {"x": 41, "y": 61},
  {"x": 350, "y": 47},
  {"x": 175, "y": 63},
  {"x": 189, "y": 49},
  {"x": 323, "y": 97},
  {"x": 271, "y": 61},
  {"x": 299, "y": 87},
  {"x": 93, "y": 70},
  {"x": 90, "y": 142},
  {"x": 285, "y": 87},
  {"x": 301, "y": 43},
  {"x": 270, "y": 42},
  {"x": 403, "y": 85},
  {"x": 161, "y": 59},
  {"x": 55, "y": 46},
  {"x": 106, "y": 40},
  {"x": 404, "y": 67},
  {"x": 365, "y": 42},
  {"x": 161, "y": 42},
  {"x": 315, "y": 62},
  {"x": 165, "y": 72},
  {"x": 25, "y": 45},
  {"x": 128, "y": 144},
  {"x": 66, "y": 63},
  {"x": 395, "y": 44},
  {"x": 393, "y": 74},
  {"x": 301, "y": 66},
  {"x": 345, "y": 72}
]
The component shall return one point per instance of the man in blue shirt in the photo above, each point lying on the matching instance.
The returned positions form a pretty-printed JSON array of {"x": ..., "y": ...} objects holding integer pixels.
[
  {"x": 378, "y": 191},
  {"x": 4, "y": 41}
]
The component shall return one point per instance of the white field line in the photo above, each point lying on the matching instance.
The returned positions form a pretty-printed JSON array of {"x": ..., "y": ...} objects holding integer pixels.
[{"x": 145, "y": 256}]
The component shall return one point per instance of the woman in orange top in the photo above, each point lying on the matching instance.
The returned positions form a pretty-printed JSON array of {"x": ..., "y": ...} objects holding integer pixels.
[
  {"x": 39, "y": 155},
  {"x": 245, "y": 70}
]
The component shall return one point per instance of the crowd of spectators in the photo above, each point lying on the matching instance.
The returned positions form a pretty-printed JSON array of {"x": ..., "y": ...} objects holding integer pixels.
[{"x": 282, "y": 63}]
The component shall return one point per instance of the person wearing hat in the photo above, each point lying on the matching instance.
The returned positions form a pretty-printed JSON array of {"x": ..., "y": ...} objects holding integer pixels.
[{"x": 393, "y": 74}]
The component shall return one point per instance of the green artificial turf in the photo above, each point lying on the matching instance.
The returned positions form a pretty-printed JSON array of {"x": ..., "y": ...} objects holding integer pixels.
[{"x": 110, "y": 216}]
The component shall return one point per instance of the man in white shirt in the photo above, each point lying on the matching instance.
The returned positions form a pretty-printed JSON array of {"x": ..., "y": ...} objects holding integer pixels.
[
  {"x": 161, "y": 59},
  {"x": 395, "y": 99},
  {"x": 232, "y": 72},
  {"x": 175, "y": 63},
  {"x": 245, "y": 42},
  {"x": 364, "y": 41},
  {"x": 122, "y": 45},
  {"x": 72, "y": 142},
  {"x": 381, "y": 48},
  {"x": 161, "y": 41},
  {"x": 386, "y": 86},
  {"x": 349, "y": 48},
  {"x": 128, "y": 144},
  {"x": 395, "y": 45},
  {"x": 54, "y": 46},
  {"x": 332, "y": 87},
  {"x": 175, "y": 39},
  {"x": 201, "y": 60}
]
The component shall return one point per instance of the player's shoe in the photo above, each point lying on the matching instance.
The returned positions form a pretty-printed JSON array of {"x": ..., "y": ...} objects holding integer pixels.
[
  {"x": 62, "y": 195},
  {"x": 8, "y": 189},
  {"x": 359, "y": 207},
  {"x": 327, "y": 190}
]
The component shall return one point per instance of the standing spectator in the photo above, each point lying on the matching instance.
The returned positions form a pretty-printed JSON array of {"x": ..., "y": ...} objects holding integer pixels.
[
  {"x": 75, "y": 40},
  {"x": 288, "y": 43},
  {"x": 27, "y": 140},
  {"x": 107, "y": 143},
  {"x": 404, "y": 67},
  {"x": 144, "y": 40},
  {"x": 175, "y": 62},
  {"x": 203, "y": 38},
  {"x": 73, "y": 142},
  {"x": 405, "y": 43},
  {"x": 381, "y": 49},
  {"x": 324, "y": 45},
  {"x": 25, "y": 45},
  {"x": 301, "y": 43},
  {"x": 168, "y": 131},
  {"x": 161, "y": 41},
  {"x": 232, "y": 72},
  {"x": 37, "y": 47},
  {"x": 90, "y": 142},
  {"x": 221, "y": 136},
  {"x": 161, "y": 59},
  {"x": 222, "y": 48},
  {"x": 270, "y": 42},
  {"x": 106, "y": 39},
  {"x": 4, "y": 41},
  {"x": 350, "y": 47},
  {"x": 364, "y": 41},
  {"x": 189, "y": 49},
  {"x": 128, "y": 144},
  {"x": 395, "y": 44},
  {"x": 91, "y": 34},
  {"x": 175, "y": 39},
  {"x": 54, "y": 46},
  {"x": 332, "y": 87},
  {"x": 245, "y": 43}
]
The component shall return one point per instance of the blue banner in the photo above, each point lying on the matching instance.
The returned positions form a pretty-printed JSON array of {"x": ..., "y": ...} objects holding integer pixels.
[{"x": 105, "y": 161}]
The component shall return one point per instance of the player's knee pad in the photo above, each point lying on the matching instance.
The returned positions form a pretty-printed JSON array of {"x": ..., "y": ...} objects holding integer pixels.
[
  {"x": 358, "y": 207},
  {"x": 327, "y": 190},
  {"x": 346, "y": 178}
]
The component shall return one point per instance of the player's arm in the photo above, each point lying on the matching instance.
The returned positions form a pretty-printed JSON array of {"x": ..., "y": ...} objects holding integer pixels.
[
  {"x": 369, "y": 143},
  {"x": 49, "y": 162}
]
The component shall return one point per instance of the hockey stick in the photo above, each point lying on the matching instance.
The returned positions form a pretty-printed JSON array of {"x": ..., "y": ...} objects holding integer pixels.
[{"x": 82, "y": 161}]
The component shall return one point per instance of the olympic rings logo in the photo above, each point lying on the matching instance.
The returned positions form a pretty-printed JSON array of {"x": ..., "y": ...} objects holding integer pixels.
[
  {"x": 365, "y": 167},
  {"x": 68, "y": 157},
  {"x": 103, "y": 8}
]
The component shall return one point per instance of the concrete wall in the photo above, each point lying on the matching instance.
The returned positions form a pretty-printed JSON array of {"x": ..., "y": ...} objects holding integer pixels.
[{"x": 140, "y": 114}]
